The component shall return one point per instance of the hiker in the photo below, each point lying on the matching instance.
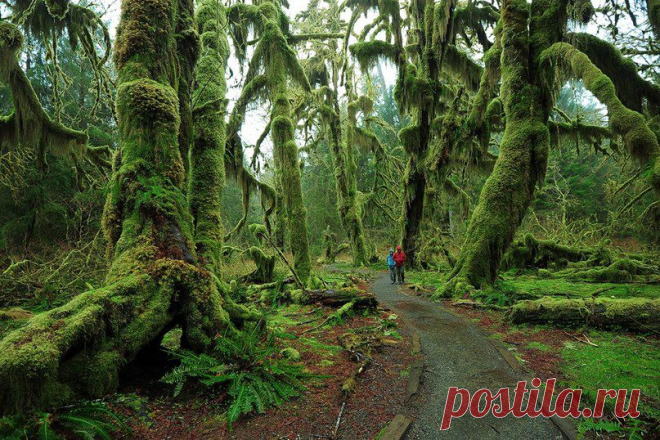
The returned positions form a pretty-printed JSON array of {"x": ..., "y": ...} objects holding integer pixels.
[
  {"x": 391, "y": 265},
  {"x": 399, "y": 260}
]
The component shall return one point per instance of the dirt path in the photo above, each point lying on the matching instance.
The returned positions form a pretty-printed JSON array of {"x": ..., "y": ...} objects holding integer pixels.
[{"x": 456, "y": 354}]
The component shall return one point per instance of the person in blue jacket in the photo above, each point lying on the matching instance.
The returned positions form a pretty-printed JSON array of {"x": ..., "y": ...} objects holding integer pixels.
[{"x": 391, "y": 265}]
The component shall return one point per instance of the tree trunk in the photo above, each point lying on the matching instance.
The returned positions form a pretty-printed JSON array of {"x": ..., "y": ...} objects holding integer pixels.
[
  {"x": 208, "y": 152},
  {"x": 154, "y": 282},
  {"x": 523, "y": 153},
  {"x": 284, "y": 145},
  {"x": 414, "y": 189},
  {"x": 345, "y": 173}
]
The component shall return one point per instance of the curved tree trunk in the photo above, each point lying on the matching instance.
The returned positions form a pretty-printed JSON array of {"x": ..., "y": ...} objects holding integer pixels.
[
  {"x": 154, "y": 282},
  {"x": 523, "y": 153}
]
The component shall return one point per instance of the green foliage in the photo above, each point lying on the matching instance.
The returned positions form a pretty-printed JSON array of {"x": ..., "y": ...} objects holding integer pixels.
[
  {"x": 619, "y": 362},
  {"x": 598, "y": 426},
  {"x": 251, "y": 366},
  {"x": 84, "y": 420}
]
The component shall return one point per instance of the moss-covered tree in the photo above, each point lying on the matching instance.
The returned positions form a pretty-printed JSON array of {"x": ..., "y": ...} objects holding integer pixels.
[
  {"x": 273, "y": 63},
  {"x": 532, "y": 54},
  {"x": 325, "y": 68},
  {"x": 155, "y": 281},
  {"x": 420, "y": 92},
  {"x": 208, "y": 152}
]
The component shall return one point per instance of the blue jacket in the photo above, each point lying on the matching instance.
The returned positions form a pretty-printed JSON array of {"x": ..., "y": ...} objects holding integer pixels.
[{"x": 390, "y": 260}]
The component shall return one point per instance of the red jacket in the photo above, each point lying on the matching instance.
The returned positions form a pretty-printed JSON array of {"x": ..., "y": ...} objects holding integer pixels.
[{"x": 399, "y": 258}]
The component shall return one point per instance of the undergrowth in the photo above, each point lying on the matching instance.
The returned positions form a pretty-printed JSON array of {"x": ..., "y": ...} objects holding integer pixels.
[
  {"x": 85, "y": 420},
  {"x": 610, "y": 365},
  {"x": 256, "y": 375}
]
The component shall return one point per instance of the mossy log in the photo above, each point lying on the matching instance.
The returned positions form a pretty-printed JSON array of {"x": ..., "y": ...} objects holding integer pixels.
[
  {"x": 636, "y": 314},
  {"x": 620, "y": 271}
]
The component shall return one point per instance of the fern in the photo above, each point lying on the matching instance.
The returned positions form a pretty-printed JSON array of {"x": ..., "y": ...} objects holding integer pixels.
[
  {"x": 87, "y": 420},
  {"x": 255, "y": 374},
  {"x": 588, "y": 425}
]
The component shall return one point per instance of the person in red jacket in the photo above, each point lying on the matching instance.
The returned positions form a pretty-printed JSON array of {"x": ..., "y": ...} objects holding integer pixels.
[{"x": 399, "y": 260}]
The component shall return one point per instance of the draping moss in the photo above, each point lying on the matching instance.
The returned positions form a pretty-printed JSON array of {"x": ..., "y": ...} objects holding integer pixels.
[
  {"x": 523, "y": 152},
  {"x": 630, "y": 125}
]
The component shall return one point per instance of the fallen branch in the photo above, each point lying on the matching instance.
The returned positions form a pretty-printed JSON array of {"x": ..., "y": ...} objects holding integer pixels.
[
  {"x": 584, "y": 341},
  {"x": 299, "y": 283}
]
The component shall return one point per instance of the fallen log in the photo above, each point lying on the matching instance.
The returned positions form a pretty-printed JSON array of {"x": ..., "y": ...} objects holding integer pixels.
[{"x": 635, "y": 314}]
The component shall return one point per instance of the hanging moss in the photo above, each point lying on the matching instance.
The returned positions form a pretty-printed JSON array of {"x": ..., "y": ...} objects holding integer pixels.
[
  {"x": 282, "y": 64},
  {"x": 33, "y": 128},
  {"x": 459, "y": 64},
  {"x": 523, "y": 151},
  {"x": 630, "y": 87},
  {"x": 345, "y": 168},
  {"x": 368, "y": 53},
  {"x": 478, "y": 119},
  {"x": 630, "y": 125}
]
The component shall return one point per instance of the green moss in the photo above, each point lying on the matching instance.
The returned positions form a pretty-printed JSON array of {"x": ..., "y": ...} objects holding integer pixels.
[
  {"x": 208, "y": 151},
  {"x": 368, "y": 53},
  {"x": 11, "y": 41},
  {"x": 636, "y": 314},
  {"x": 625, "y": 362},
  {"x": 527, "y": 101},
  {"x": 630, "y": 125},
  {"x": 654, "y": 15}
]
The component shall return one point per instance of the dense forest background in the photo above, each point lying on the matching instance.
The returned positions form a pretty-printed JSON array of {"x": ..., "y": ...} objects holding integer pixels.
[{"x": 47, "y": 216}]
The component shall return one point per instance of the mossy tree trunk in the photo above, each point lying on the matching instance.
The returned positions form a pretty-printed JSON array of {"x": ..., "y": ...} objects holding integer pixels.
[
  {"x": 278, "y": 60},
  {"x": 420, "y": 89},
  {"x": 345, "y": 168},
  {"x": 208, "y": 151},
  {"x": 416, "y": 138},
  {"x": 155, "y": 281},
  {"x": 531, "y": 55},
  {"x": 523, "y": 153}
]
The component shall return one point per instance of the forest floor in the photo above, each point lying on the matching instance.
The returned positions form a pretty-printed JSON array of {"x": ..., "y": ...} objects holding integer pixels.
[
  {"x": 379, "y": 395},
  {"x": 457, "y": 354},
  {"x": 462, "y": 346}
]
